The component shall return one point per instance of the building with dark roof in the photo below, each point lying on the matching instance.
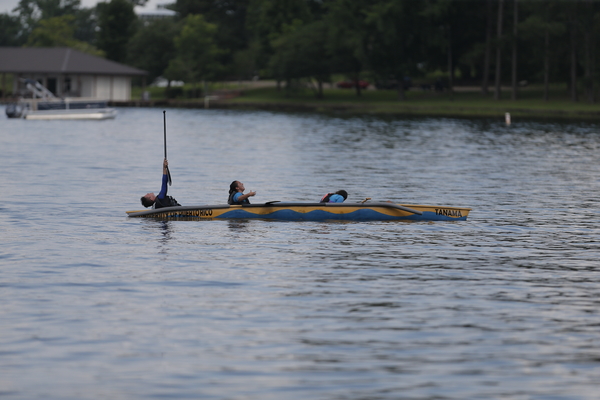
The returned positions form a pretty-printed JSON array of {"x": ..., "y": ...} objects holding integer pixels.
[{"x": 67, "y": 72}]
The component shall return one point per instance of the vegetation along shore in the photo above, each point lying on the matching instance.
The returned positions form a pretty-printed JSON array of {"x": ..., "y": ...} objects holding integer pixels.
[
  {"x": 463, "y": 102},
  {"x": 436, "y": 57}
]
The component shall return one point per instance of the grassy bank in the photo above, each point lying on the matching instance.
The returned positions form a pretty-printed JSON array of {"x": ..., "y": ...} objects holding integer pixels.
[{"x": 464, "y": 102}]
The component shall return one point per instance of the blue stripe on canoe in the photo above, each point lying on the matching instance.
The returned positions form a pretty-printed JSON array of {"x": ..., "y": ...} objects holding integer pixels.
[{"x": 320, "y": 215}]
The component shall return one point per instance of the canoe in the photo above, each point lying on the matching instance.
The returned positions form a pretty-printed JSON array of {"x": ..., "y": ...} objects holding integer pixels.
[{"x": 370, "y": 211}]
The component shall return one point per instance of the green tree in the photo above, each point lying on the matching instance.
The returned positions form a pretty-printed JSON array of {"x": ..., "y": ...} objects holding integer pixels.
[
  {"x": 303, "y": 53},
  {"x": 58, "y": 32},
  {"x": 539, "y": 30},
  {"x": 455, "y": 37},
  {"x": 267, "y": 20},
  {"x": 32, "y": 11},
  {"x": 588, "y": 22},
  {"x": 245, "y": 61},
  {"x": 177, "y": 70},
  {"x": 395, "y": 39},
  {"x": 153, "y": 46},
  {"x": 117, "y": 24},
  {"x": 11, "y": 31},
  {"x": 348, "y": 38},
  {"x": 85, "y": 25},
  {"x": 228, "y": 15},
  {"x": 197, "y": 54}
]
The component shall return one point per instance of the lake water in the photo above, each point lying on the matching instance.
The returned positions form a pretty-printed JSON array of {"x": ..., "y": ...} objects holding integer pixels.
[{"x": 94, "y": 305}]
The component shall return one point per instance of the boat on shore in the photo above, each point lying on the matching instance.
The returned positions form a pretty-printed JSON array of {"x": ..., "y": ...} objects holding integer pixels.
[
  {"x": 44, "y": 105},
  {"x": 283, "y": 211}
]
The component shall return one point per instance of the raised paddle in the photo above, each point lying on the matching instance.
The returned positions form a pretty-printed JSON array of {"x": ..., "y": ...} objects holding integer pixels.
[{"x": 165, "y": 121}]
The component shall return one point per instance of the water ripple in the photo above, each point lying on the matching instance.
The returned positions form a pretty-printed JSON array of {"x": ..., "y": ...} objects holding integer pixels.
[{"x": 96, "y": 305}]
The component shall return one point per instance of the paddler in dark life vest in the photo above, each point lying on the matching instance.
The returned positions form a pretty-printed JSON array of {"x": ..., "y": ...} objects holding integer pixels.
[
  {"x": 162, "y": 200},
  {"x": 236, "y": 193},
  {"x": 337, "y": 197}
]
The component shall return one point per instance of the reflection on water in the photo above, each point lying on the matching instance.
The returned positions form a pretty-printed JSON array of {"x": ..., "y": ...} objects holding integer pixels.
[
  {"x": 94, "y": 304},
  {"x": 166, "y": 234},
  {"x": 238, "y": 225}
]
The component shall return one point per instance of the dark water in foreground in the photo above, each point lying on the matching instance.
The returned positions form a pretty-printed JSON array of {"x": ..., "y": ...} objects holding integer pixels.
[{"x": 94, "y": 305}]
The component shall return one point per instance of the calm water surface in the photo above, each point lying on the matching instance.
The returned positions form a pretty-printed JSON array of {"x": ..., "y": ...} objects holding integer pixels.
[{"x": 94, "y": 305}]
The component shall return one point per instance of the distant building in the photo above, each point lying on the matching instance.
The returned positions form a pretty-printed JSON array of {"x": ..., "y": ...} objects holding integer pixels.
[
  {"x": 145, "y": 13},
  {"x": 67, "y": 72}
]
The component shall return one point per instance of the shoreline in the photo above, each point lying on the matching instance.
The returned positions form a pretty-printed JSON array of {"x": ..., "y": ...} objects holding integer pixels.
[
  {"x": 374, "y": 108},
  {"x": 463, "y": 102}
]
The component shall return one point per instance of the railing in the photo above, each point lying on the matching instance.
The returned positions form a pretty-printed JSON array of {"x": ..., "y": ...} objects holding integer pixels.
[{"x": 63, "y": 104}]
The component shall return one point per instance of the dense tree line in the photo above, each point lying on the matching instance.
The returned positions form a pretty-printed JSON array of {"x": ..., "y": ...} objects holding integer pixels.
[{"x": 489, "y": 43}]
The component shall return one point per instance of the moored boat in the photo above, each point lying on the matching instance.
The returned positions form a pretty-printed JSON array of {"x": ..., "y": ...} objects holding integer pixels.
[
  {"x": 44, "y": 105},
  {"x": 365, "y": 211}
]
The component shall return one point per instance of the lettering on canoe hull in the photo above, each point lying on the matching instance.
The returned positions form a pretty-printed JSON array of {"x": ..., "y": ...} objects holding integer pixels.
[
  {"x": 448, "y": 213},
  {"x": 187, "y": 213},
  {"x": 200, "y": 213}
]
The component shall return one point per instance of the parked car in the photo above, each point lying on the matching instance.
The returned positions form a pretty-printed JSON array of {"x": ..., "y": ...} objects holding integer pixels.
[{"x": 350, "y": 84}]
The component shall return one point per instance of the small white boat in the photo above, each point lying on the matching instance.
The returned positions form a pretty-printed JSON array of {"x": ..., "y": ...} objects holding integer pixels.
[{"x": 44, "y": 105}]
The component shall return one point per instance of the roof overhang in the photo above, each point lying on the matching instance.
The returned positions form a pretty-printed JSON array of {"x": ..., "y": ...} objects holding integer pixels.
[{"x": 60, "y": 60}]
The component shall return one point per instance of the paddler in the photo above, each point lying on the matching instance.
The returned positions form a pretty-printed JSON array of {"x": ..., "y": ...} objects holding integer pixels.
[
  {"x": 162, "y": 200},
  {"x": 337, "y": 197},
  {"x": 236, "y": 193}
]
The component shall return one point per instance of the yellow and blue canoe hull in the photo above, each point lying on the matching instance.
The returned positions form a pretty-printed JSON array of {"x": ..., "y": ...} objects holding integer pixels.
[{"x": 382, "y": 211}]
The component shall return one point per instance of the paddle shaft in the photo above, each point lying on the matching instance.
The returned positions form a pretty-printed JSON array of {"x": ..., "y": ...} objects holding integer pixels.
[{"x": 165, "y": 124}]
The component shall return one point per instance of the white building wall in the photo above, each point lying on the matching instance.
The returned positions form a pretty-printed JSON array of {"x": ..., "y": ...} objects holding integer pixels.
[
  {"x": 103, "y": 87},
  {"x": 121, "y": 88},
  {"x": 87, "y": 86}
]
